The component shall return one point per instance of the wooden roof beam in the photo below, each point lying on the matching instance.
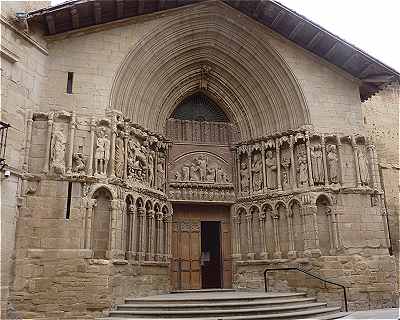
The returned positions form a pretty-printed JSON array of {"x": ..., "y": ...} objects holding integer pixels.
[
  {"x": 314, "y": 40},
  {"x": 97, "y": 12},
  {"x": 296, "y": 30},
  {"x": 120, "y": 8},
  {"x": 75, "y": 18},
  {"x": 279, "y": 17},
  {"x": 332, "y": 50},
  {"x": 51, "y": 25}
]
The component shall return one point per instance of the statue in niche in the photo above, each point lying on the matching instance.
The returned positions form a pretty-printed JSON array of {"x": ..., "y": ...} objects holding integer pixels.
[
  {"x": 333, "y": 160},
  {"x": 102, "y": 154},
  {"x": 363, "y": 166},
  {"x": 244, "y": 177},
  {"x": 220, "y": 175},
  {"x": 302, "y": 169},
  {"x": 160, "y": 174},
  {"x": 317, "y": 164},
  {"x": 58, "y": 151},
  {"x": 150, "y": 162},
  {"x": 285, "y": 164},
  {"x": 78, "y": 161},
  {"x": 119, "y": 158},
  {"x": 256, "y": 168},
  {"x": 270, "y": 168}
]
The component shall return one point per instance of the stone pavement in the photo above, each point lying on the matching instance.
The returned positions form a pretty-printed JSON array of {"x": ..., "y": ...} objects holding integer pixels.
[{"x": 387, "y": 314}]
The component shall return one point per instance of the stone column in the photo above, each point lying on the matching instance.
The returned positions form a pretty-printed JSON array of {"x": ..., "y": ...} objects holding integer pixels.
[
  {"x": 310, "y": 177},
  {"x": 132, "y": 249},
  {"x": 332, "y": 250},
  {"x": 356, "y": 162},
  {"x": 113, "y": 245},
  {"x": 324, "y": 160},
  {"x": 278, "y": 164},
  {"x": 250, "y": 244},
  {"x": 142, "y": 234},
  {"x": 159, "y": 253},
  {"x": 249, "y": 148},
  {"x": 72, "y": 127},
  {"x": 169, "y": 236},
  {"x": 264, "y": 252},
  {"x": 374, "y": 174},
  {"x": 316, "y": 250},
  {"x": 151, "y": 236},
  {"x": 112, "y": 151},
  {"x": 126, "y": 137},
  {"x": 91, "y": 155},
  {"x": 292, "y": 166},
  {"x": 340, "y": 160},
  {"x": 236, "y": 237},
  {"x": 28, "y": 140},
  {"x": 90, "y": 205},
  {"x": 335, "y": 230},
  {"x": 303, "y": 213},
  {"x": 238, "y": 171},
  {"x": 50, "y": 122},
  {"x": 292, "y": 251},
  {"x": 275, "y": 222}
]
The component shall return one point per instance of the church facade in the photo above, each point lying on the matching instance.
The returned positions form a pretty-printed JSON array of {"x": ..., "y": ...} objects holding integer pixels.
[{"x": 160, "y": 145}]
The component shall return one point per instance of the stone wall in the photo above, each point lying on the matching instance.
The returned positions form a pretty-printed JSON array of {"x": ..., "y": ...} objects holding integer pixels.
[
  {"x": 370, "y": 279},
  {"x": 381, "y": 119}
]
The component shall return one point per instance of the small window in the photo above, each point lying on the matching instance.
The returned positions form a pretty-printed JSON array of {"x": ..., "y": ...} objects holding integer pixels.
[
  {"x": 70, "y": 81},
  {"x": 68, "y": 211}
]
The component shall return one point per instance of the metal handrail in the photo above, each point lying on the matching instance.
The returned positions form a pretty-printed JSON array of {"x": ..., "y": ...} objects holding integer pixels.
[{"x": 310, "y": 274}]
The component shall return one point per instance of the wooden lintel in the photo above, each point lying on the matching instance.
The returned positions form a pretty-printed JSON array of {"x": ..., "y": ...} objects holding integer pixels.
[
  {"x": 97, "y": 12},
  {"x": 314, "y": 40},
  {"x": 296, "y": 30},
  {"x": 75, "y": 18},
  {"x": 51, "y": 25},
  {"x": 140, "y": 7},
  {"x": 329, "y": 54},
  {"x": 349, "y": 60},
  {"x": 120, "y": 8},
  {"x": 278, "y": 18}
]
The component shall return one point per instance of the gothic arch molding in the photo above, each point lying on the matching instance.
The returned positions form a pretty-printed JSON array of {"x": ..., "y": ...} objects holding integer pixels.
[{"x": 248, "y": 79}]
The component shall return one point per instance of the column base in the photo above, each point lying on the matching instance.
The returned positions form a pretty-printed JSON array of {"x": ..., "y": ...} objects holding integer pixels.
[
  {"x": 278, "y": 255},
  {"x": 251, "y": 256},
  {"x": 159, "y": 257},
  {"x": 130, "y": 255},
  {"x": 316, "y": 253},
  {"x": 292, "y": 254},
  {"x": 150, "y": 256}
]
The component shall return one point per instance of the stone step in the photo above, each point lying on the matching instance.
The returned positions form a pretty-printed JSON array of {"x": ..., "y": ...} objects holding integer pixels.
[
  {"x": 316, "y": 314},
  {"x": 209, "y": 298},
  {"x": 202, "y": 290},
  {"x": 174, "y": 314},
  {"x": 214, "y": 305}
]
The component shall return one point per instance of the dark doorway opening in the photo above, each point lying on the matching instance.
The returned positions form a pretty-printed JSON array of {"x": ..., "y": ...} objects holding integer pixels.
[{"x": 211, "y": 269}]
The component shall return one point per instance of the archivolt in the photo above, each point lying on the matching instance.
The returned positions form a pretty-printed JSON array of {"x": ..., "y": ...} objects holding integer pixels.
[{"x": 248, "y": 79}]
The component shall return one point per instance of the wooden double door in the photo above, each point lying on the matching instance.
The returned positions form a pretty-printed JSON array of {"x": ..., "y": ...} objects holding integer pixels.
[{"x": 201, "y": 247}]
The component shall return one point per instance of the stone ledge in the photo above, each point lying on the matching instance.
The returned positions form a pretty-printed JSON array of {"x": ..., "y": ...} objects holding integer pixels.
[{"x": 59, "y": 253}]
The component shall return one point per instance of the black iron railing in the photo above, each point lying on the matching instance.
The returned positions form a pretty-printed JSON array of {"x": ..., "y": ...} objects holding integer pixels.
[{"x": 309, "y": 274}]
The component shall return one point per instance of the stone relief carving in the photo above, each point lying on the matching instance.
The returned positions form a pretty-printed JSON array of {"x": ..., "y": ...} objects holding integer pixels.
[
  {"x": 285, "y": 163},
  {"x": 363, "y": 165},
  {"x": 256, "y": 171},
  {"x": 58, "y": 151},
  {"x": 201, "y": 169},
  {"x": 317, "y": 164},
  {"x": 333, "y": 160},
  {"x": 102, "y": 155},
  {"x": 150, "y": 162},
  {"x": 270, "y": 168},
  {"x": 78, "y": 161},
  {"x": 137, "y": 160},
  {"x": 302, "y": 167},
  {"x": 161, "y": 173}
]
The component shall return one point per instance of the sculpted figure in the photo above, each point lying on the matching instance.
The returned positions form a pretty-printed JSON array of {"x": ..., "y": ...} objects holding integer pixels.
[
  {"x": 102, "y": 154},
  {"x": 270, "y": 168},
  {"x": 285, "y": 163},
  {"x": 137, "y": 160},
  {"x": 202, "y": 163},
  {"x": 160, "y": 174},
  {"x": 317, "y": 164},
  {"x": 363, "y": 165},
  {"x": 219, "y": 175},
  {"x": 256, "y": 168},
  {"x": 119, "y": 158},
  {"x": 211, "y": 174},
  {"x": 244, "y": 177},
  {"x": 193, "y": 172},
  {"x": 302, "y": 169},
  {"x": 332, "y": 163},
  {"x": 79, "y": 162},
  {"x": 58, "y": 151},
  {"x": 186, "y": 172}
]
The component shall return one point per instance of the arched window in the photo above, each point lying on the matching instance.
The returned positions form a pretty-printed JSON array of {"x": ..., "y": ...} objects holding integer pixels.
[{"x": 199, "y": 107}]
